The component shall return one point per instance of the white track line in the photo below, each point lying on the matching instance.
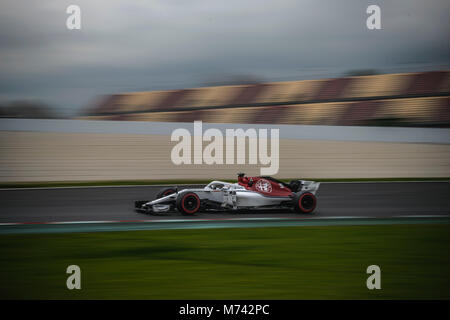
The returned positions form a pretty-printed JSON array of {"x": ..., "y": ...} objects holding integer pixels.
[
  {"x": 217, "y": 220},
  {"x": 344, "y": 217},
  {"x": 421, "y": 216},
  {"x": 78, "y": 222}
]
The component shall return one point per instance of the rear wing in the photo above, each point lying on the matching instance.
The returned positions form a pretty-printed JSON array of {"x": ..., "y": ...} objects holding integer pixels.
[{"x": 310, "y": 186}]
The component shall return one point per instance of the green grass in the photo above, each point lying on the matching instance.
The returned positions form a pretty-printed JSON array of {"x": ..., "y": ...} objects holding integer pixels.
[
  {"x": 259, "y": 263},
  {"x": 185, "y": 181}
]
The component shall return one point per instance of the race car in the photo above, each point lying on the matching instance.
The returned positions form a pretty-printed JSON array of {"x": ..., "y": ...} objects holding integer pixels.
[{"x": 249, "y": 193}]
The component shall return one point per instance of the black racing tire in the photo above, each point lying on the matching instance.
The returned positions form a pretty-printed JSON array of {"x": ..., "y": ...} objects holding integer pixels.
[
  {"x": 165, "y": 192},
  {"x": 304, "y": 202},
  {"x": 188, "y": 203}
]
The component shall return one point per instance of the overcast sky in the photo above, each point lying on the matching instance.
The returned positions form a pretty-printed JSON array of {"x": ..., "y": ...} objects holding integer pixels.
[{"x": 134, "y": 45}]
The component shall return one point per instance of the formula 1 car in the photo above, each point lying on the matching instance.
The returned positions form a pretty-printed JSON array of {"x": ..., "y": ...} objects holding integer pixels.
[{"x": 250, "y": 193}]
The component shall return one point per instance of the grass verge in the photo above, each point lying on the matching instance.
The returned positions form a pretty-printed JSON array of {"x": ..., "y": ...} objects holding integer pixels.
[{"x": 259, "y": 263}]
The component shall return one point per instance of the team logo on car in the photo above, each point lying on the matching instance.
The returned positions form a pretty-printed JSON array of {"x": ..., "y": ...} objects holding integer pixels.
[{"x": 264, "y": 186}]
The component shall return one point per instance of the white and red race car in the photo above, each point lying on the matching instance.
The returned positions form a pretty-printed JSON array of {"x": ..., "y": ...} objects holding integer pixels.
[{"x": 249, "y": 193}]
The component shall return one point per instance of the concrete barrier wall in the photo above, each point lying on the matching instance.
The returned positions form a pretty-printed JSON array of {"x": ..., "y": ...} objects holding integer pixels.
[
  {"x": 335, "y": 133},
  {"x": 74, "y": 156}
]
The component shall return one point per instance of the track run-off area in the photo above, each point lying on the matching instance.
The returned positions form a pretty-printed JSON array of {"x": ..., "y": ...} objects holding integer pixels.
[{"x": 93, "y": 209}]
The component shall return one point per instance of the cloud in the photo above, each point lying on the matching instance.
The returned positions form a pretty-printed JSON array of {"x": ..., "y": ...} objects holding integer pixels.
[{"x": 143, "y": 45}]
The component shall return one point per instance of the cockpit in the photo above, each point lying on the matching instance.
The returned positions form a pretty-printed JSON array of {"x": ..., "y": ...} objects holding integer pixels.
[{"x": 220, "y": 185}]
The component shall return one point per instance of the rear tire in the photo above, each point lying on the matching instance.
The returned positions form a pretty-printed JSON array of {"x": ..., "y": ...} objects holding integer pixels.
[
  {"x": 305, "y": 202},
  {"x": 188, "y": 203},
  {"x": 165, "y": 192}
]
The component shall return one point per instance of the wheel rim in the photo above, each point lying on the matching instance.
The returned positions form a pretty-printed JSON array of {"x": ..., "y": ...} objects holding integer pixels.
[
  {"x": 190, "y": 203},
  {"x": 307, "y": 202}
]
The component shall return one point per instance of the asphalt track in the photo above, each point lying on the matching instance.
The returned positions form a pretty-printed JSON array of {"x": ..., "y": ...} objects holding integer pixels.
[{"x": 115, "y": 204}]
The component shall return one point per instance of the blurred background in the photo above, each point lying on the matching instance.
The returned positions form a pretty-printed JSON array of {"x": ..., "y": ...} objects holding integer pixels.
[
  {"x": 404, "y": 99},
  {"x": 97, "y": 107},
  {"x": 253, "y": 63}
]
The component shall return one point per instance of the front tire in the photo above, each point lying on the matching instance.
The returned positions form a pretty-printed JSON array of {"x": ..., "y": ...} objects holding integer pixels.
[
  {"x": 165, "y": 192},
  {"x": 188, "y": 203},
  {"x": 305, "y": 202}
]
